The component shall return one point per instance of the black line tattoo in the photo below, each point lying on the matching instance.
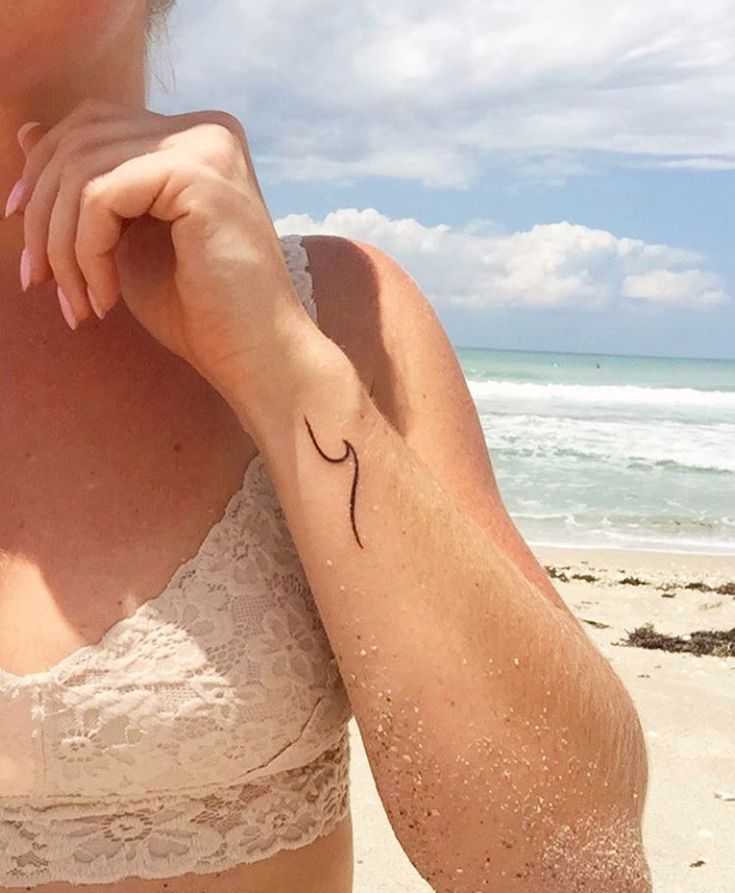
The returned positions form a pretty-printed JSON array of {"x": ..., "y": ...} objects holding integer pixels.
[{"x": 349, "y": 449}]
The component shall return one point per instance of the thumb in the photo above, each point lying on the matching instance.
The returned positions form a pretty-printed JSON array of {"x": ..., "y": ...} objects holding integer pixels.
[{"x": 29, "y": 134}]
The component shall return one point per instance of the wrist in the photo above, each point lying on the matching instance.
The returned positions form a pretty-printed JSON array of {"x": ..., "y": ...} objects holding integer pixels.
[{"x": 266, "y": 391}]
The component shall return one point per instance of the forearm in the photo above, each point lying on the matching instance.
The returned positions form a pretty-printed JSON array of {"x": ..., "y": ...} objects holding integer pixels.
[{"x": 487, "y": 715}]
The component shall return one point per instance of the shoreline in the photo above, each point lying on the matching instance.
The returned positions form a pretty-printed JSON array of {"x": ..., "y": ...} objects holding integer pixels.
[
  {"x": 614, "y": 566},
  {"x": 568, "y": 547}
]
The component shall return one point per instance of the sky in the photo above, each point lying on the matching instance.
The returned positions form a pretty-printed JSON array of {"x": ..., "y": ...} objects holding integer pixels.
[{"x": 553, "y": 175}]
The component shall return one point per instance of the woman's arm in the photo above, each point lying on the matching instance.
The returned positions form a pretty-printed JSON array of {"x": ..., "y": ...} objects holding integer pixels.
[{"x": 506, "y": 751}]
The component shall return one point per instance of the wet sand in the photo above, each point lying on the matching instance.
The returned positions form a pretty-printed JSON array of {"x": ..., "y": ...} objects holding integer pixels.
[{"x": 686, "y": 702}]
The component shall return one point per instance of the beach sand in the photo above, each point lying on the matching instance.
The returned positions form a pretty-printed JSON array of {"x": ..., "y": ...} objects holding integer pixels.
[{"x": 686, "y": 703}]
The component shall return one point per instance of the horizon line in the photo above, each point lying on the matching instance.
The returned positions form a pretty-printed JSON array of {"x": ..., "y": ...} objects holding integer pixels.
[{"x": 588, "y": 353}]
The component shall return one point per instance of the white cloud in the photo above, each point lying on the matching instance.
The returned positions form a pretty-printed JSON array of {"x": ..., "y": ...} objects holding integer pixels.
[
  {"x": 672, "y": 288},
  {"x": 549, "y": 266},
  {"x": 701, "y": 164},
  {"x": 433, "y": 91}
]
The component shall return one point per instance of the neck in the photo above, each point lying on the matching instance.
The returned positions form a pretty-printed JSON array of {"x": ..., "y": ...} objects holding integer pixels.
[{"x": 114, "y": 71}]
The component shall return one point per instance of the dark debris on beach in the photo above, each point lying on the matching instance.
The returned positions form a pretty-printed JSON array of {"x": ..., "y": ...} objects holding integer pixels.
[
  {"x": 564, "y": 575},
  {"x": 724, "y": 589},
  {"x": 559, "y": 574},
  {"x": 719, "y": 643}
]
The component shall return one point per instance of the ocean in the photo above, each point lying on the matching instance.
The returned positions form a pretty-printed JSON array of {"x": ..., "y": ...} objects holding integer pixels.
[{"x": 610, "y": 451}]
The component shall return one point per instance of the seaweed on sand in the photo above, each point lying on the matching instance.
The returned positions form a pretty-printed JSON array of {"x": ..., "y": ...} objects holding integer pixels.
[
  {"x": 557, "y": 573},
  {"x": 724, "y": 589},
  {"x": 720, "y": 643}
]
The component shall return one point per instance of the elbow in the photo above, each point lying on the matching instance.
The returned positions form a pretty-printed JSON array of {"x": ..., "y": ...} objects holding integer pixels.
[
  {"x": 488, "y": 825},
  {"x": 514, "y": 817},
  {"x": 638, "y": 756},
  {"x": 595, "y": 839},
  {"x": 624, "y": 756},
  {"x": 542, "y": 792}
]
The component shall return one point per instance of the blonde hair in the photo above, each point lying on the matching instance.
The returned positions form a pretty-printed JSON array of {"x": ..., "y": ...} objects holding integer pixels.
[
  {"x": 158, "y": 13},
  {"x": 156, "y": 30}
]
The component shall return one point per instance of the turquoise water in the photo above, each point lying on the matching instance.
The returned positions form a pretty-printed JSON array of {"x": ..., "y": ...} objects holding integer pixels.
[{"x": 611, "y": 451}]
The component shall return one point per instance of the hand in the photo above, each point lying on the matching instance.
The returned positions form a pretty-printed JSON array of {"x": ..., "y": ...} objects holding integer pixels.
[{"x": 167, "y": 213}]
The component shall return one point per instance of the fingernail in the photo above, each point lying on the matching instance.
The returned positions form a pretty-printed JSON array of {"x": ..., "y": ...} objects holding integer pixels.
[
  {"x": 95, "y": 305},
  {"x": 25, "y": 270},
  {"x": 23, "y": 130},
  {"x": 66, "y": 309},
  {"x": 14, "y": 199}
]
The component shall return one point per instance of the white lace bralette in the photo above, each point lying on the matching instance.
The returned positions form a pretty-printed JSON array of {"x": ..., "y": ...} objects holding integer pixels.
[{"x": 207, "y": 730}]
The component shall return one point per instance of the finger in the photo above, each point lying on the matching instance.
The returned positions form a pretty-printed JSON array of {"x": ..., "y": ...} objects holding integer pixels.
[
  {"x": 71, "y": 151},
  {"x": 64, "y": 228},
  {"x": 107, "y": 204},
  {"x": 20, "y": 191},
  {"x": 29, "y": 134},
  {"x": 36, "y": 214},
  {"x": 96, "y": 121},
  {"x": 98, "y": 232},
  {"x": 153, "y": 183},
  {"x": 61, "y": 251}
]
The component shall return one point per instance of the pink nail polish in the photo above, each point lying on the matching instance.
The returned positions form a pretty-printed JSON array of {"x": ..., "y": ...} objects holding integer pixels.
[
  {"x": 23, "y": 130},
  {"x": 66, "y": 309},
  {"x": 95, "y": 304},
  {"x": 25, "y": 270},
  {"x": 15, "y": 198}
]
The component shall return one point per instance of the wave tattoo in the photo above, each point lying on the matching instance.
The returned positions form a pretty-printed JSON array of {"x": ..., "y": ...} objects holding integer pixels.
[{"x": 349, "y": 449}]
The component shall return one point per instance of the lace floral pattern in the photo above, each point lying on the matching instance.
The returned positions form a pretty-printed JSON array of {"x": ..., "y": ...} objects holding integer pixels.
[
  {"x": 207, "y": 730},
  {"x": 169, "y": 836}
]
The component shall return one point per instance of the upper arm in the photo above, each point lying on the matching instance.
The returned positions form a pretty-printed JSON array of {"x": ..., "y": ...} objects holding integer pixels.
[{"x": 419, "y": 386}]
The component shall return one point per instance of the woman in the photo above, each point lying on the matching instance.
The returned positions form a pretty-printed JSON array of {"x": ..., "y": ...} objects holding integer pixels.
[{"x": 230, "y": 523}]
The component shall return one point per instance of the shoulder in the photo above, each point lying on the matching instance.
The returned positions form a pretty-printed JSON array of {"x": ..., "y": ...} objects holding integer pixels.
[
  {"x": 416, "y": 373},
  {"x": 367, "y": 303},
  {"x": 373, "y": 303},
  {"x": 342, "y": 274}
]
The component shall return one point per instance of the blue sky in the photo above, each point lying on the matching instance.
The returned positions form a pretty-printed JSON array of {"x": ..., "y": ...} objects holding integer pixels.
[{"x": 552, "y": 175}]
